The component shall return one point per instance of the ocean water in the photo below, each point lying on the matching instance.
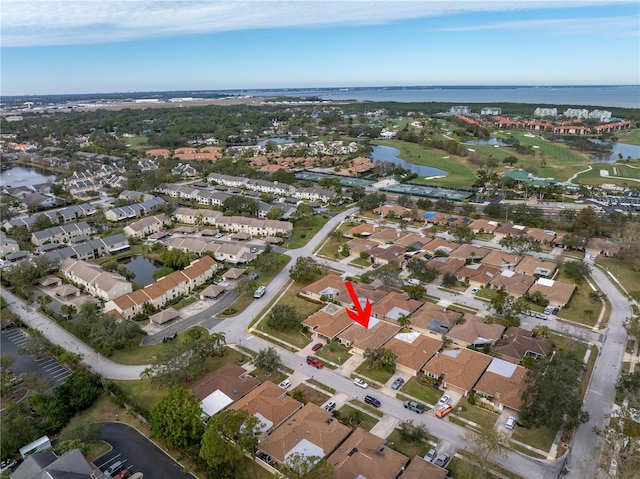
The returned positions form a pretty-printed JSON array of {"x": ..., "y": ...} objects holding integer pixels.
[{"x": 626, "y": 96}]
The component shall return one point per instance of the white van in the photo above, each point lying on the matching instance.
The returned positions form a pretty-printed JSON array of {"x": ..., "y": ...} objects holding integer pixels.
[{"x": 259, "y": 293}]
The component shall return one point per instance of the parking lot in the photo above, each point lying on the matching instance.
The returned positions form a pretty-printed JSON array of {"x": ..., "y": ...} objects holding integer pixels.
[
  {"x": 12, "y": 339},
  {"x": 137, "y": 453}
]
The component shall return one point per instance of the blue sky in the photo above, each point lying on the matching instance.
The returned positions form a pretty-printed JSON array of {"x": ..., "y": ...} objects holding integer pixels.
[{"x": 93, "y": 46}]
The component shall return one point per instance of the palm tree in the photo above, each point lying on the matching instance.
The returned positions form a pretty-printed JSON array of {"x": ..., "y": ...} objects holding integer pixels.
[
  {"x": 404, "y": 322},
  {"x": 219, "y": 341},
  {"x": 44, "y": 301},
  {"x": 68, "y": 310}
]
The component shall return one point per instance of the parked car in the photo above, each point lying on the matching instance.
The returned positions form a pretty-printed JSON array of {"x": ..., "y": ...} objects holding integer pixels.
[
  {"x": 444, "y": 400},
  {"x": 219, "y": 235},
  {"x": 397, "y": 384},
  {"x": 511, "y": 422},
  {"x": 316, "y": 363},
  {"x": 375, "y": 265},
  {"x": 123, "y": 474},
  {"x": 555, "y": 311},
  {"x": 371, "y": 400},
  {"x": 254, "y": 250},
  {"x": 548, "y": 310},
  {"x": 414, "y": 406},
  {"x": 431, "y": 455},
  {"x": 359, "y": 382},
  {"x": 443, "y": 410},
  {"x": 541, "y": 316},
  {"x": 330, "y": 406},
  {"x": 475, "y": 290},
  {"x": 113, "y": 468},
  {"x": 317, "y": 346},
  {"x": 442, "y": 460},
  {"x": 413, "y": 282},
  {"x": 254, "y": 276},
  {"x": 285, "y": 384}
]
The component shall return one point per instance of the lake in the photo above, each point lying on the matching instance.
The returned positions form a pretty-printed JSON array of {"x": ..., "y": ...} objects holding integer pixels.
[
  {"x": 23, "y": 176},
  {"x": 390, "y": 154},
  {"x": 491, "y": 141},
  {"x": 623, "y": 149},
  {"x": 274, "y": 140},
  {"x": 142, "y": 268}
]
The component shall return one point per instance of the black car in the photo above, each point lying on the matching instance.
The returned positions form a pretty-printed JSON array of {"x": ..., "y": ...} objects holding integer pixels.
[
  {"x": 555, "y": 311},
  {"x": 371, "y": 400},
  {"x": 397, "y": 384}
]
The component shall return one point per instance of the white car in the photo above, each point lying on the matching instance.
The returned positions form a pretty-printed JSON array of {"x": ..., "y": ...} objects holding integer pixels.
[
  {"x": 511, "y": 422},
  {"x": 444, "y": 400},
  {"x": 361, "y": 383},
  {"x": 285, "y": 384},
  {"x": 475, "y": 290}
]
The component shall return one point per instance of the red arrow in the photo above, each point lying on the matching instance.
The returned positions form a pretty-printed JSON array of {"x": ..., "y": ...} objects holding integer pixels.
[{"x": 359, "y": 316}]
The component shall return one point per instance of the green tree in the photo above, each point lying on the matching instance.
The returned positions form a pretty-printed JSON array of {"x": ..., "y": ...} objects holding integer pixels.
[
  {"x": 444, "y": 205},
  {"x": 413, "y": 433},
  {"x": 449, "y": 280},
  {"x": 68, "y": 310},
  {"x": 482, "y": 448},
  {"x": 357, "y": 193},
  {"x": 283, "y": 317},
  {"x": 462, "y": 233},
  {"x": 36, "y": 344},
  {"x": 520, "y": 244},
  {"x": 305, "y": 269},
  {"x": 176, "y": 418},
  {"x": 467, "y": 209},
  {"x": 421, "y": 271},
  {"x": 218, "y": 447},
  {"x": 44, "y": 301},
  {"x": 405, "y": 200},
  {"x": 577, "y": 269},
  {"x": 424, "y": 204},
  {"x": 303, "y": 210},
  {"x": 510, "y": 160},
  {"x": 586, "y": 223},
  {"x": 380, "y": 358},
  {"x": 388, "y": 274},
  {"x": 268, "y": 359},
  {"x": 239, "y": 205},
  {"x": 632, "y": 326},
  {"x": 300, "y": 466},
  {"x": 552, "y": 397},
  {"x": 275, "y": 213},
  {"x": 7, "y": 377},
  {"x": 416, "y": 292},
  {"x": 372, "y": 201}
]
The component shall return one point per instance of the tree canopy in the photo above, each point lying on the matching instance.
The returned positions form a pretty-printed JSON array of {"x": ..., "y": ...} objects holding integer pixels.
[
  {"x": 305, "y": 269},
  {"x": 176, "y": 418},
  {"x": 282, "y": 317}
]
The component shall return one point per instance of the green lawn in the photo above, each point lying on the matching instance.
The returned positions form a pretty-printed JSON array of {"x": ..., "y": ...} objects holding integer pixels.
[
  {"x": 540, "y": 438},
  {"x": 377, "y": 374},
  {"x": 363, "y": 263},
  {"x": 622, "y": 271},
  {"x": 615, "y": 173},
  {"x": 346, "y": 412},
  {"x": 321, "y": 386},
  {"x": 331, "y": 249},
  {"x": 183, "y": 303},
  {"x": 304, "y": 309},
  {"x": 422, "y": 391},
  {"x": 403, "y": 447},
  {"x": 142, "y": 393},
  {"x": 482, "y": 417},
  {"x": 312, "y": 395},
  {"x": 632, "y": 137},
  {"x": 138, "y": 143},
  {"x": 366, "y": 407},
  {"x": 458, "y": 465},
  {"x": 581, "y": 308},
  {"x": 304, "y": 230},
  {"x": 334, "y": 352},
  {"x": 461, "y": 173},
  {"x": 133, "y": 250}
]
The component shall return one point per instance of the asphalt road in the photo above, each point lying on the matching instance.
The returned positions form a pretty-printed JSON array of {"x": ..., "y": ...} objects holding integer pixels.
[{"x": 138, "y": 453}]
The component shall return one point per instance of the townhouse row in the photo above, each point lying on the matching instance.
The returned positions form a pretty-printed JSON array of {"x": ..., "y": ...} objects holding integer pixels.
[{"x": 233, "y": 224}]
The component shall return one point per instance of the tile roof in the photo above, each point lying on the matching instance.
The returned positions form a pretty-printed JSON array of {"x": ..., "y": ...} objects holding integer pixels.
[
  {"x": 554, "y": 291},
  {"x": 504, "y": 381},
  {"x": 517, "y": 343},
  {"x": 473, "y": 330},
  {"x": 231, "y": 379},
  {"x": 269, "y": 401},
  {"x": 329, "y": 321},
  {"x": 373, "y": 337},
  {"x": 393, "y": 304},
  {"x": 513, "y": 282},
  {"x": 413, "y": 350},
  {"x": 430, "y": 312},
  {"x": 420, "y": 469}
]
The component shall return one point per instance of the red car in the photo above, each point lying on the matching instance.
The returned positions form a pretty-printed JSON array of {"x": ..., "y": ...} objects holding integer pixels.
[
  {"x": 314, "y": 362},
  {"x": 123, "y": 474},
  {"x": 317, "y": 346}
]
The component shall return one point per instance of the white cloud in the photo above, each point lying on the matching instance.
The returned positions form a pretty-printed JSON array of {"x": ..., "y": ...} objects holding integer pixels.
[
  {"x": 593, "y": 26},
  {"x": 55, "y": 22}
]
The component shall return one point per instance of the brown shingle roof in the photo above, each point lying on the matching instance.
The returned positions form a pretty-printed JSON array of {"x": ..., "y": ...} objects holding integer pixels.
[
  {"x": 512, "y": 282},
  {"x": 516, "y": 343},
  {"x": 473, "y": 329},
  {"x": 530, "y": 265},
  {"x": 430, "y": 312},
  {"x": 555, "y": 291},
  {"x": 383, "y": 307},
  {"x": 373, "y": 338},
  {"x": 360, "y": 456},
  {"x": 445, "y": 265},
  {"x": 312, "y": 424},
  {"x": 413, "y": 350},
  {"x": 505, "y": 382},
  {"x": 270, "y": 401},
  {"x": 329, "y": 281},
  {"x": 460, "y": 367},
  {"x": 327, "y": 324},
  {"x": 230, "y": 378},
  {"x": 501, "y": 259},
  {"x": 421, "y": 469}
]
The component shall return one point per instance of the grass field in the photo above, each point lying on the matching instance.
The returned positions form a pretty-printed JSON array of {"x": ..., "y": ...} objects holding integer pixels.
[
  {"x": 581, "y": 308},
  {"x": 346, "y": 412},
  {"x": 421, "y": 391},
  {"x": 462, "y": 173},
  {"x": 486, "y": 419},
  {"x": 408, "y": 449},
  {"x": 540, "y": 438},
  {"x": 304, "y": 230},
  {"x": 138, "y": 143},
  {"x": 377, "y": 374},
  {"x": 631, "y": 137},
  {"x": 629, "y": 279},
  {"x": 334, "y": 352}
]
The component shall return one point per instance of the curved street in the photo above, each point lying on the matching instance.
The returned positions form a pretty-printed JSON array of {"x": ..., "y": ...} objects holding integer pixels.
[{"x": 598, "y": 401}]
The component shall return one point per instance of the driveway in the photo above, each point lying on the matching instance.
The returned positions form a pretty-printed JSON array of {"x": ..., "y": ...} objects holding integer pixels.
[{"x": 138, "y": 453}]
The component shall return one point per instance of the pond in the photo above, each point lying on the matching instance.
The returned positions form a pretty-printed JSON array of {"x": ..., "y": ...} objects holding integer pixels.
[
  {"x": 23, "y": 176},
  {"x": 491, "y": 141},
  {"x": 274, "y": 140},
  {"x": 621, "y": 151},
  {"x": 390, "y": 154},
  {"x": 142, "y": 269}
]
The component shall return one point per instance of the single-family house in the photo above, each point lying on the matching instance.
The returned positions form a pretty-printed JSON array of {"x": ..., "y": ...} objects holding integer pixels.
[
  {"x": 419, "y": 468},
  {"x": 326, "y": 288},
  {"x": 365, "y": 455},
  {"x": 536, "y": 267},
  {"x": 363, "y": 230},
  {"x": 222, "y": 387},
  {"x": 469, "y": 253},
  {"x": 558, "y": 293},
  {"x": 508, "y": 230},
  {"x": 477, "y": 274},
  {"x": 473, "y": 331},
  {"x": 599, "y": 246},
  {"x": 434, "y": 320},
  {"x": 310, "y": 432},
  {"x": 502, "y": 385},
  {"x": 413, "y": 350},
  {"x": 328, "y": 323},
  {"x": 445, "y": 264},
  {"x": 516, "y": 343},
  {"x": 458, "y": 369},
  {"x": 440, "y": 244},
  {"x": 268, "y": 403},
  {"x": 501, "y": 259},
  {"x": 515, "y": 284},
  {"x": 393, "y": 306},
  {"x": 359, "y": 338},
  {"x": 483, "y": 226}
]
